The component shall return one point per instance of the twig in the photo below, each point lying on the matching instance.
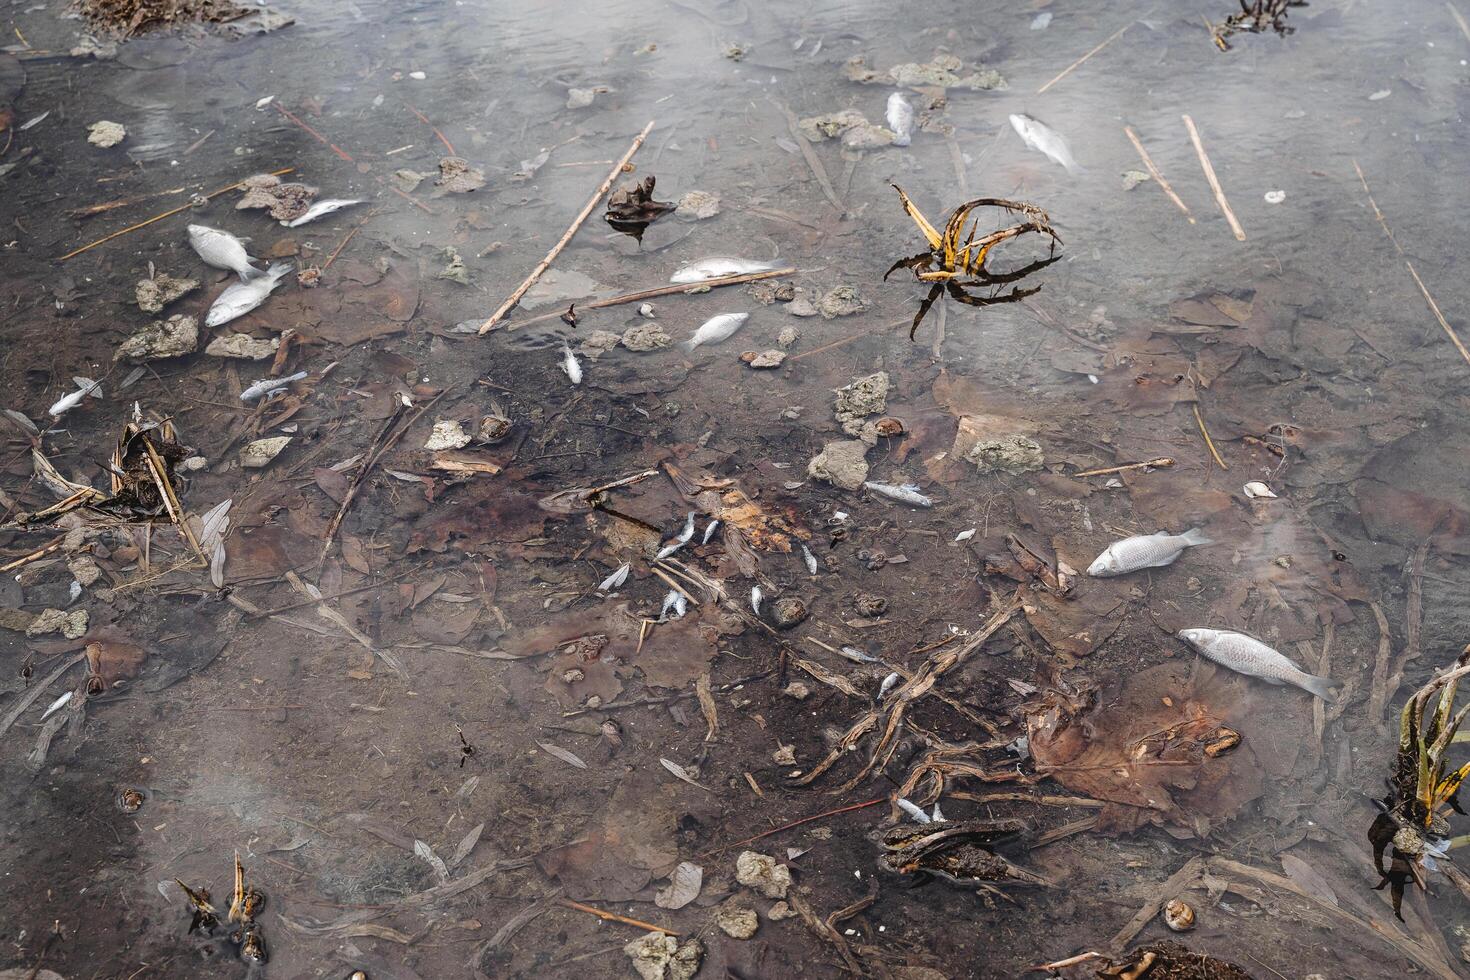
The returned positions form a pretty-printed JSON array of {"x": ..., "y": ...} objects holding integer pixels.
[
  {"x": 1377, "y": 213},
  {"x": 642, "y": 294},
  {"x": 333, "y": 597},
  {"x": 320, "y": 138},
  {"x": 1042, "y": 800},
  {"x": 167, "y": 214},
  {"x": 122, "y": 202},
  {"x": 1379, "y": 694},
  {"x": 545, "y": 263},
  {"x": 813, "y": 163},
  {"x": 1162, "y": 461},
  {"x": 1066, "y": 830},
  {"x": 411, "y": 200},
  {"x": 1445, "y": 324},
  {"x": 613, "y": 917},
  {"x": 847, "y": 340},
  {"x": 1208, "y": 441},
  {"x": 1209, "y": 170},
  {"x": 669, "y": 580},
  {"x": 442, "y": 138},
  {"x": 38, "y": 553},
  {"x": 1324, "y": 669},
  {"x": 343, "y": 243},
  {"x": 1076, "y": 64},
  {"x": 170, "y": 501},
  {"x": 1154, "y": 172},
  {"x": 1178, "y": 882},
  {"x": 1459, "y": 19},
  {"x": 797, "y": 823}
]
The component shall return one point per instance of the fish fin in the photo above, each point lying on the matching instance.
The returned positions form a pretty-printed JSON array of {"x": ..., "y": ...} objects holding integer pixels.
[
  {"x": 91, "y": 387},
  {"x": 1322, "y": 687},
  {"x": 688, "y": 345},
  {"x": 1194, "y": 537},
  {"x": 250, "y": 272}
]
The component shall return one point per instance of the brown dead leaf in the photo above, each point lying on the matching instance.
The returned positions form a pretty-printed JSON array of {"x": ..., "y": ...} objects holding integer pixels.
[
  {"x": 115, "y": 660},
  {"x": 676, "y": 652},
  {"x": 626, "y": 847},
  {"x": 485, "y": 512}
]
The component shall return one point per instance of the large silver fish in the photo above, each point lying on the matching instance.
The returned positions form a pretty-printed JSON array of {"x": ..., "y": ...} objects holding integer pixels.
[
  {"x": 900, "y": 117},
  {"x": 1041, "y": 137},
  {"x": 1249, "y": 656},
  {"x": 717, "y": 267},
  {"x": 1144, "y": 551},
  {"x": 240, "y": 298},
  {"x": 223, "y": 251},
  {"x": 716, "y": 329}
]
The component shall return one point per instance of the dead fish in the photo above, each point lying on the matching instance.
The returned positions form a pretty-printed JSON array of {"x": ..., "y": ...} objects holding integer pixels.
[
  {"x": 937, "y": 816},
  {"x": 614, "y": 580},
  {"x": 679, "y": 541},
  {"x": 810, "y": 559},
  {"x": 717, "y": 267},
  {"x": 673, "y": 602},
  {"x": 716, "y": 329},
  {"x": 965, "y": 535},
  {"x": 266, "y": 386},
  {"x": 321, "y": 208},
  {"x": 755, "y": 599},
  {"x": 916, "y": 813},
  {"x": 85, "y": 387},
  {"x": 56, "y": 705},
  {"x": 571, "y": 365},
  {"x": 858, "y": 656},
  {"x": 1249, "y": 656},
  {"x": 1041, "y": 137},
  {"x": 240, "y": 298},
  {"x": 223, "y": 251},
  {"x": 1144, "y": 551},
  {"x": 900, "y": 119},
  {"x": 709, "y": 531},
  {"x": 1256, "y": 488},
  {"x": 908, "y": 493},
  {"x": 888, "y": 684}
]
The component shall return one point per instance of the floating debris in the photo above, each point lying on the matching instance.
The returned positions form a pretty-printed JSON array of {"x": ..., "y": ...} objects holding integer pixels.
[{"x": 105, "y": 133}]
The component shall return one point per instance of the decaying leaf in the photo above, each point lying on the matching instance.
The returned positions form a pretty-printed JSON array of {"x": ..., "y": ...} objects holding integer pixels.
[
  {"x": 683, "y": 887},
  {"x": 680, "y": 773},
  {"x": 570, "y": 758},
  {"x": 632, "y": 209}
]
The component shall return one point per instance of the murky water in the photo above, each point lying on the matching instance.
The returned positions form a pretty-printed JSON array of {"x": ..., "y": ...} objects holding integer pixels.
[{"x": 322, "y": 748}]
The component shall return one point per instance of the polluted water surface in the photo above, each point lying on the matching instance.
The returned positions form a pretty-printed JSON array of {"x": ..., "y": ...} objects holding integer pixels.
[{"x": 623, "y": 536}]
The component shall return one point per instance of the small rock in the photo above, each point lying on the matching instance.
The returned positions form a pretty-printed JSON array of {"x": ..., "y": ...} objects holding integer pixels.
[
  {"x": 699, "y": 205},
  {"x": 867, "y": 137},
  {"x": 447, "y": 434},
  {"x": 763, "y": 873},
  {"x": 194, "y": 464},
  {"x": 659, "y": 956},
  {"x": 779, "y": 911},
  {"x": 455, "y": 270},
  {"x": 735, "y": 51},
  {"x": 870, "y": 606},
  {"x": 72, "y": 625},
  {"x": 260, "y": 452},
  {"x": 456, "y": 176},
  {"x": 863, "y": 397},
  {"x": 1010, "y": 454},
  {"x": 802, "y": 306},
  {"x": 646, "y": 337},
  {"x": 89, "y": 47},
  {"x": 843, "y": 464},
  {"x": 106, "y": 133},
  {"x": 418, "y": 76},
  {"x": 494, "y": 427},
  {"x": 1132, "y": 178},
  {"x": 888, "y": 427},
  {"x": 788, "y": 612},
  {"x": 797, "y": 690},
  {"x": 765, "y": 359},
  {"x": 174, "y": 337},
  {"x": 645, "y": 310},
  {"x": 154, "y": 294},
  {"x": 787, "y": 337},
  {"x": 408, "y": 180},
  {"x": 830, "y": 125},
  {"x": 599, "y": 342},
  {"x": 83, "y": 569},
  {"x": 737, "y": 923},
  {"x": 784, "y": 756},
  {"x": 242, "y": 346},
  {"x": 840, "y": 301}
]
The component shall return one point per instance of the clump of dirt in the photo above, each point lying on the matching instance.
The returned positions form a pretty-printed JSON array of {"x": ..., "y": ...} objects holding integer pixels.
[{"x": 129, "y": 17}]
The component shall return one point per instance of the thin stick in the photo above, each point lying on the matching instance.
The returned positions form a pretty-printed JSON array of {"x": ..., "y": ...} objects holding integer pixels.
[
  {"x": 669, "y": 580},
  {"x": 1178, "y": 882},
  {"x": 1209, "y": 170},
  {"x": 331, "y": 598},
  {"x": 91, "y": 209},
  {"x": 442, "y": 138},
  {"x": 343, "y": 244},
  {"x": 1208, "y": 441},
  {"x": 613, "y": 917},
  {"x": 322, "y": 139},
  {"x": 656, "y": 291},
  {"x": 171, "y": 502},
  {"x": 414, "y": 201},
  {"x": 1162, "y": 461},
  {"x": 1076, "y": 64},
  {"x": 804, "y": 820},
  {"x": 1459, "y": 19},
  {"x": 1445, "y": 324},
  {"x": 846, "y": 340},
  {"x": 545, "y": 263},
  {"x": 1158, "y": 177},
  {"x": 1377, "y": 213},
  {"x": 167, "y": 214},
  {"x": 39, "y": 553}
]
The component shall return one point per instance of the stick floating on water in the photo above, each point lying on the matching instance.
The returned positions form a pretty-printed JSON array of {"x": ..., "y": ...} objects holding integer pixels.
[
  {"x": 1078, "y": 63},
  {"x": 1204, "y": 163},
  {"x": 1154, "y": 172}
]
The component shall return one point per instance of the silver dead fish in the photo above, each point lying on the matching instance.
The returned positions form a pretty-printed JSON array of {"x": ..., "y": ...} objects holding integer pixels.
[
  {"x": 675, "y": 603},
  {"x": 321, "y": 208},
  {"x": 858, "y": 656},
  {"x": 916, "y": 814},
  {"x": 717, "y": 267},
  {"x": 679, "y": 541},
  {"x": 900, "y": 117},
  {"x": 265, "y": 386},
  {"x": 1249, "y": 656},
  {"x": 716, "y": 329},
  {"x": 222, "y": 250},
  {"x": 85, "y": 387},
  {"x": 888, "y": 684},
  {"x": 1042, "y": 138},
  {"x": 571, "y": 365},
  {"x": 810, "y": 559},
  {"x": 755, "y": 599},
  {"x": 1144, "y": 551},
  {"x": 614, "y": 580},
  {"x": 908, "y": 493},
  {"x": 240, "y": 298},
  {"x": 709, "y": 531}
]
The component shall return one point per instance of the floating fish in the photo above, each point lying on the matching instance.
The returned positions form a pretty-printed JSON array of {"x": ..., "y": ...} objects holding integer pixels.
[
  {"x": 571, "y": 365},
  {"x": 718, "y": 267},
  {"x": 810, "y": 559},
  {"x": 716, "y": 329},
  {"x": 222, "y": 250},
  {"x": 900, "y": 118},
  {"x": 888, "y": 684},
  {"x": 321, "y": 208},
  {"x": 1144, "y": 551},
  {"x": 615, "y": 580},
  {"x": 1255, "y": 488},
  {"x": 915, "y": 813},
  {"x": 908, "y": 493},
  {"x": 755, "y": 599},
  {"x": 1041, "y": 137},
  {"x": 85, "y": 387},
  {"x": 709, "y": 531},
  {"x": 266, "y": 386},
  {"x": 858, "y": 656},
  {"x": 1249, "y": 656},
  {"x": 240, "y": 298},
  {"x": 679, "y": 540}
]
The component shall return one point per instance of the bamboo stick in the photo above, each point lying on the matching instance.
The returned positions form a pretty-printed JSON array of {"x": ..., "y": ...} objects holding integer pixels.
[{"x": 1204, "y": 162}]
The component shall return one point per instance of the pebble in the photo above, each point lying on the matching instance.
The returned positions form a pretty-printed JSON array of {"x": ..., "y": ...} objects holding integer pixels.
[
  {"x": 1275, "y": 197},
  {"x": 788, "y": 612},
  {"x": 104, "y": 133},
  {"x": 765, "y": 359},
  {"x": 737, "y": 923}
]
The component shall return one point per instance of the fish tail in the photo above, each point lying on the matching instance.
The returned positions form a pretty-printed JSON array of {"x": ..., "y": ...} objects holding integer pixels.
[
  {"x": 249, "y": 272},
  {"x": 689, "y": 345},
  {"x": 1194, "y": 537},
  {"x": 1322, "y": 687}
]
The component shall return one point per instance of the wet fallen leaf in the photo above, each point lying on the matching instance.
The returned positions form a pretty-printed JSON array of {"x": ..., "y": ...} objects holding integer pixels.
[
  {"x": 570, "y": 758},
  {"x": 679, "y": 772},
  {"x": 115, "y": 660},
  {"x": 683, "y": 887}
]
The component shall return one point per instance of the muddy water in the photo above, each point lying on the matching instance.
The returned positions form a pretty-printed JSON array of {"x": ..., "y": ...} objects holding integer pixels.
[{"x": 1308, "y": 349}]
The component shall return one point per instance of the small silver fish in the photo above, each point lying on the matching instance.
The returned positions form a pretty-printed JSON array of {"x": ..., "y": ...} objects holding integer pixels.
[
  {"x": 321, "y": 208},
  {"x": 266, "y": 386},
  {"x": 1249, "y": 656},
  {"x": 858, "y": 656},
  {"x": 716, "y": 329},
  {"x": 916, "y": 814},
  {"x": 673, "y": 602},
  {"x": 56, "y": 705},
  {"x": 1041, "y": 137},
  {"x": 1144, "y": 551},
  {"x": 810, "y": 559},
  {"x": 717, "y": 267},
  {"x": 937, "y": 816},
  {"x": 900, "y": 118},
  {"x": 85, "y": 387},
  {"x": 614, "y": 580},
  {"x": 755, "y": 599},
  {"x": 888, "y": 684},
  {"x": 222, "y": 250},
  {"x": 679, "y": 540},
  {"x": 571, "y": 365},
  {"x": 240, "y": 298},
  {"x": 906, "y": 494},
  {"x": 709, "y": 531}
]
